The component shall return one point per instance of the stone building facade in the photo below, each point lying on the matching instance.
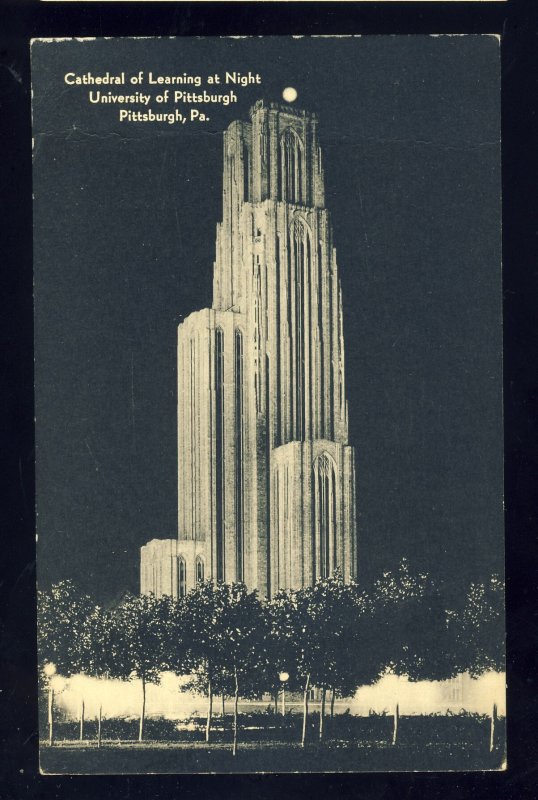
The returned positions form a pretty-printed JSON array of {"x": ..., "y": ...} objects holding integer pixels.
[{"x": 266, "y": 473}]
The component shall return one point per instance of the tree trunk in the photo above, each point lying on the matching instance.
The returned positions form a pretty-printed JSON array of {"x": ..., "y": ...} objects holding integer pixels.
[
  {"x": 305, "y": 708},
  {"x": 81, "y": 734},
  {"x": 395, "y": 727},
  {"x": 276, "y": 703},
  {"x": 322, "y": 713},
  {"x": 333, "y": 695},
  {"x": 492, "y": 728},
  {"x": 209, "y": 710},
  {"x": 223, "y": 711},
  {"x": 51, "y": 715},
  {"x": 99, "y": 724},
  {"x": 236, "y": 699},
  {"x": 142, "y": 711}
]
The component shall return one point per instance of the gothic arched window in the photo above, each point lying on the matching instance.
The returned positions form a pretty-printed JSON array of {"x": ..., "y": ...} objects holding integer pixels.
[
  {"x": 219, "y": 450},
  {"x": 181, "y": 577},
  {"x": 291, "y": 167},
  {"x": 299, "y": 270},
  {"x": 239, "y": 512},
  {"x": 324, "y": 516},
  {"x": 246, "y": 172},
  {"x": 199, "y": 569}
]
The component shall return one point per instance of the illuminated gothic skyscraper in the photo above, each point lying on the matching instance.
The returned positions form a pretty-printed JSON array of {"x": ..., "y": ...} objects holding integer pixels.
[{"x": 266, "y": 473}]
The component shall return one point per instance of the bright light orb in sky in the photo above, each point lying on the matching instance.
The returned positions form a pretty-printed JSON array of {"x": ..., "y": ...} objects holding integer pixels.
[{"x": 289, "y": 94}]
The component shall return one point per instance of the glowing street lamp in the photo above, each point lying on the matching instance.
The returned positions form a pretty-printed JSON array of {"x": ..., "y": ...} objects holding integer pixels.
[
  {"x": 50, "y": 671},
  {"x": 283, "y": 677},
  {"x": 56, "y": 685}
]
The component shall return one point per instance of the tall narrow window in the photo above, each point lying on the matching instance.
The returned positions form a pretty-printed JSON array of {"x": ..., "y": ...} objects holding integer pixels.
[
  {"x": 299, "y": 329},
  {"x": 239, "y": 455},
  {"x": 199, "y": 569},
  {"x": 321, "y": 375},
  {"x": 324, "y": 518},
  {"x": 267, "y": 473},
  {"x": 291, "y": 167},
  {"x": 181, "y": 577},
  {"x": 219, "y": 450},
  {"x": 193, "y": 448},
  {"x": 300, "y": 266},
  {"x": 232, "y": 173},
  {"x": 290, "y": 432},
  {"x": 331, "y": 409},
  {"x": 246, "y": 174},
  {"x": 277, "y": 529},
  {"x": 277, "y": 438}
]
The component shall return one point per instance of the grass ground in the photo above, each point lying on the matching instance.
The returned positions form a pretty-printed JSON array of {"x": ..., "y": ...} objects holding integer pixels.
[
  {"x": 155, "y": 757},
  {"x": 426, "y": 744}
]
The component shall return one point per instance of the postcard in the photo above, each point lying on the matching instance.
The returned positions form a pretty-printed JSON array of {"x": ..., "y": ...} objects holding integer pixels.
[{"x": 268, "y": 336}]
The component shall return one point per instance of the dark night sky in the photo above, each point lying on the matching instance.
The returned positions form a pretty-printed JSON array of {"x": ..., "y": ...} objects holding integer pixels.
[{"x": 124, "y": 244}]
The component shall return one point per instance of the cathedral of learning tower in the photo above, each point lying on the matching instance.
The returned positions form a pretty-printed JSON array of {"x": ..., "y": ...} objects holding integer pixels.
[{"x": 266, "y": 475}]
